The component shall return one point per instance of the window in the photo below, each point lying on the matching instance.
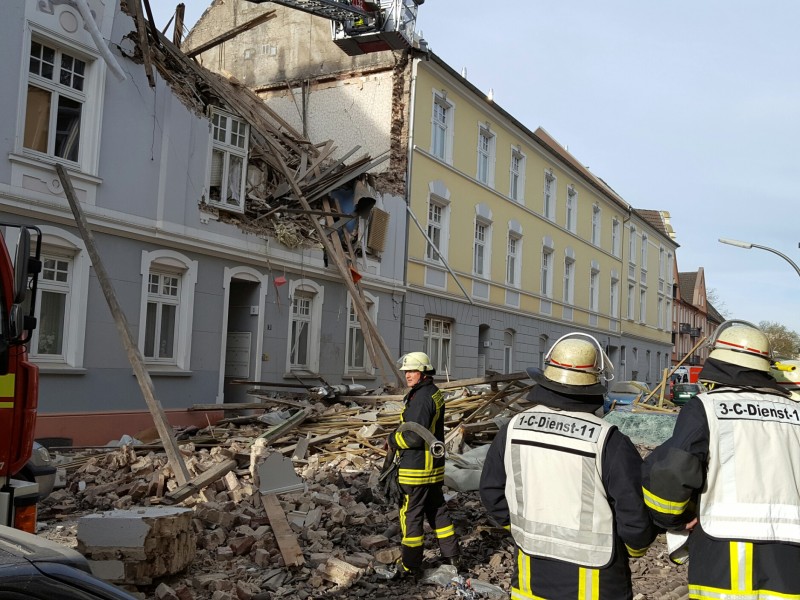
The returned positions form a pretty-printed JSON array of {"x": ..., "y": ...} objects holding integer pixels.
[
  {"x": 660, "y": 313},
  {"x": 163, "y": 297},
  {"x": 516, "y": 185},
  {"x": 228, "y": 161},
  {"x": 572, "y": 208},
  {"x": 508, "y": 351},
  {"x": 486, "y": 140},
  {"x": 547, "y": 272},
  {"x": 632, "y": 246},
  {"x": 305, "y": 323},
  {"x": 55, "y": 99},
  {"x": 479, "y": 255},
  {"x": 437, "y": 230},
  {"x": 513, "y": 259},
  {"x": 594, "y": 289},
  {"x": 165, "y": 332},
  {"x": 52, "y": 307},
  {"x": 615, "y": 237},
  {"x": 642, "y": 306},
  {"x": 614, "y": 297},
  {"x": 442, "y": 128},
  {"x": 437, "y": 335},
  {"x": 549, "y": 195},
  {"x": 631, "y": 299},
  {"x": 569, "y": 281},
  {"x": 596, "y": 225},
  {"x": 644, "y": 252},
  {"x": 358, "y": 360}
]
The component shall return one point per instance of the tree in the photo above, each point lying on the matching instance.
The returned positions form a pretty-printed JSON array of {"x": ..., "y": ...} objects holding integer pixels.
[
  {"x": 713, "y": 298},
  {"x": 785, "y": 342}
]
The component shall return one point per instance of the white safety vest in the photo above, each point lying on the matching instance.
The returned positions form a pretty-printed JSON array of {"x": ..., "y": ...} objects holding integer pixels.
[
  {"x": 754, "y": 463},
  {"x": 554, "y": 487}
]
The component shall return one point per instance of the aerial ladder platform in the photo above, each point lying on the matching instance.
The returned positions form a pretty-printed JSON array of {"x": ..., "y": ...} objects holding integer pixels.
[{"x": 363, "y": 26}]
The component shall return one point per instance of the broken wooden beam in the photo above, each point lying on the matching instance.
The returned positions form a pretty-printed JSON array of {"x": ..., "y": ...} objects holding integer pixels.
[
  {"x": 228, "y": 35},
  {"x": 204, "y": 479},
  {"x": 287, "y": 542}
]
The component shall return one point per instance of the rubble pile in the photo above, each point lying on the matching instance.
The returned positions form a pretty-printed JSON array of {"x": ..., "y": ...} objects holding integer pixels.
[{"x": 329, "y": 536}]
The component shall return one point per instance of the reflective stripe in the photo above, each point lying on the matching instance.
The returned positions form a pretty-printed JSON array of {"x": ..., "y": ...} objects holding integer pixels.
[
  {"x": 7, "y": 385},
  {"x": 634, "y": 553},
  {"x": 401, "y": 443},
  {"x": 6, "y": 405},
  {"x": 588, "y": 584},
  {"x": 413, "y": 542},
  {"x": 701, "y": 592},
  {"x": 524, "y": 570},
  {"x": 662, "y": 505},
  {"x": 519, "y": 594},
  {"x": 403, "y": 511},
  {"x": 444, "y": 532},
  {"x": 741, "y": 556}
]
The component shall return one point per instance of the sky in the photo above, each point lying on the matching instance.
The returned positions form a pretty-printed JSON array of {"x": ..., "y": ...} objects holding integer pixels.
[{"x": 683, "y": 106}]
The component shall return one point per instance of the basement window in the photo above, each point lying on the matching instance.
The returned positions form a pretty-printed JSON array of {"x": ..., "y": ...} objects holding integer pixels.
[{"x": 228, "y": 167}]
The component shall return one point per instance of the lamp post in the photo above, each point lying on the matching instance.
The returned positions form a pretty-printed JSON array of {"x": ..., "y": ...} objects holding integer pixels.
[{"x": 748, "y": 245}]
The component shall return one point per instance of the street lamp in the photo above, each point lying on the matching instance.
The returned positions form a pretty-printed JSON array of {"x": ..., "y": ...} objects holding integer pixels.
[{"x": 748, "y": 245}]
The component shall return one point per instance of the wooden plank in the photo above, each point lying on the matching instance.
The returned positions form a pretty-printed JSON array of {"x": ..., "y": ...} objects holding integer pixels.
[
  {"x": 205, "y": 479},
  {"x": 136, "y": 9},
  {"x": 287, "y": 541},
  {"x": 228, "y": 35},
  {"x": 134, "y": 354},
  {"x": 177, "y": 31}
]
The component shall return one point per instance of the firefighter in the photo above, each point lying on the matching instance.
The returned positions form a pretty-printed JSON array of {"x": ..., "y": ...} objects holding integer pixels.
[
  {"x": 728, "y": 477},
  {"x": 567, "y": 484},
  {"x": 421, "y": 475}
]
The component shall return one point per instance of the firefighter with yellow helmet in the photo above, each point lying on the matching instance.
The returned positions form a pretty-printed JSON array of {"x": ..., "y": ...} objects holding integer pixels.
[
  {"x": 421, "y": 470},
  {"x": 567, "y": 484},
  {"x": 728, "y": 476}
]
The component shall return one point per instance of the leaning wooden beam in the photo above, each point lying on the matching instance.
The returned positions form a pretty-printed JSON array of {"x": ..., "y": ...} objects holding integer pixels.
[
  {"x": 231, "y": 33},
  {"x": 136, "y": 9},
  {"x": 287, "y": 542},
  {"x": 281, "y": 429},
  {"x": 134, "y": 355}
]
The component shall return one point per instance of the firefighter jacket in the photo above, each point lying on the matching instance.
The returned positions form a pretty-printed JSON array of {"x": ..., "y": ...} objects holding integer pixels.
[
  {"x": 424, "y": 404},
  {"x": 570, "y": 497},
  {"x": 732, "y": 463}
]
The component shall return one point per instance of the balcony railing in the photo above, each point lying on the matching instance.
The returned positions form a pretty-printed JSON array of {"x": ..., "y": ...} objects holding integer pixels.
[
  {"x": 695, "y": 332},
  {"x": 684, "y": 328}
]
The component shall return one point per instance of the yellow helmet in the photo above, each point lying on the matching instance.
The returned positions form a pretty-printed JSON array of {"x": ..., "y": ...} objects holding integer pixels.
[
  {"x": 575, "y": 361},
  {"x": 741, "y": 343},
  {"x": 415, "y": 361}
]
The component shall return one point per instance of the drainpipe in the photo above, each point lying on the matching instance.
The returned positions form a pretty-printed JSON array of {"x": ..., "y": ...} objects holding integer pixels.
[{"x": 409, "y": 154}]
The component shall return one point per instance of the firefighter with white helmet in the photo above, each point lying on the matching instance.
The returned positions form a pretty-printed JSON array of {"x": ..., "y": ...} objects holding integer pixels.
[
  {"x": 421, "y": 471},
  {"x": 727, "y": 479},
  {"x": 567, "y": 484}
]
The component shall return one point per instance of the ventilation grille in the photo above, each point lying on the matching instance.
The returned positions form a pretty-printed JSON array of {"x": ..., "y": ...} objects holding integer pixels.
[{"x": 378, "y": 230}]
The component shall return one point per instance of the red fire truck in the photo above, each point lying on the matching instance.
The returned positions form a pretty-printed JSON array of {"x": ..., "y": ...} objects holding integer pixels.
[{"x": 19, "y": 378}]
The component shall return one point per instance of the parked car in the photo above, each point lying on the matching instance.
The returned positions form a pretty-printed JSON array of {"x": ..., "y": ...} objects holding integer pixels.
[
  {"x": 622, "y": 394},
  {"x": 40, "y": 469},
  {"x": 34, "y": 568},
  {"x": 681, "y": 392}
]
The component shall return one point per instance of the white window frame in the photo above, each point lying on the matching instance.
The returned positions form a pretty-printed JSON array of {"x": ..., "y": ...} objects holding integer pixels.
[
  {"x": 354, "y": 329},
  {"x": 632, "y": 246},
  {"x": 168, "y": 261},
  {"x": 550, "y": 195},
  {"x": 614, "y": 297},
  {"x": 442, "y": 131},
  {"x": 660, "y": 312},
  {"x": 235, "y": 131},
  {"x": 546, "y": 279},
  {"x": 596, "y": 224},
  {"x": 438, "y": 219},
  {"x": 615, "y": 239},
  {"x": 516, "y": 183},
  {"x": 644, "y": 251},
  {"x": 316, "y": 293},
  {"x": 631, "y": 300},
  {"x": 90, "y": 98},
  {"x": 508, "y": 351},
  {"x": 642, "y": 305},
  {"x": 594, "y": 289},
  {"x": 569, "y": 280},
  {"x": 437, "y": 336},
  {"x": 514, "y": 259},
  {"x": 572, "y": 209},
  {"x": 482, "y": 243},
  {"x": 64, "y": 245},
  {"x": 486, "y": 155}
]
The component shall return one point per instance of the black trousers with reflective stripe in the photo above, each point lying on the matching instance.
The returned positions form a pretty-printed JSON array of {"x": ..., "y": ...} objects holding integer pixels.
[{"x": 421, "y": 503}]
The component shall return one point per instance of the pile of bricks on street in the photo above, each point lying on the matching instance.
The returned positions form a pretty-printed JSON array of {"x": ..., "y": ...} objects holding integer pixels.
[{"x": 298, "y": 517}]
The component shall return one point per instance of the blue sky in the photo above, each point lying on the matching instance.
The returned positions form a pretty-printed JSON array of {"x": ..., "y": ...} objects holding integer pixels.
[{"x": 684, "y": 106}]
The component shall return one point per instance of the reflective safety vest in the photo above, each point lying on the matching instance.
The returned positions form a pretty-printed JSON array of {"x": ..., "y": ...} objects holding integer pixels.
[
  {"x": 754, "y": 453},
  {"x": 554, "y": 487}
]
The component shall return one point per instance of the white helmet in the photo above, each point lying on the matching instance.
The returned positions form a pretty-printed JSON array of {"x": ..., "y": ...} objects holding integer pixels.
[
  {"x": 741, "y": 343},
  {"x": 575, "y": 361},
  {"x": 415, "y": 361},
  {"x": 787, "y": 374}
]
